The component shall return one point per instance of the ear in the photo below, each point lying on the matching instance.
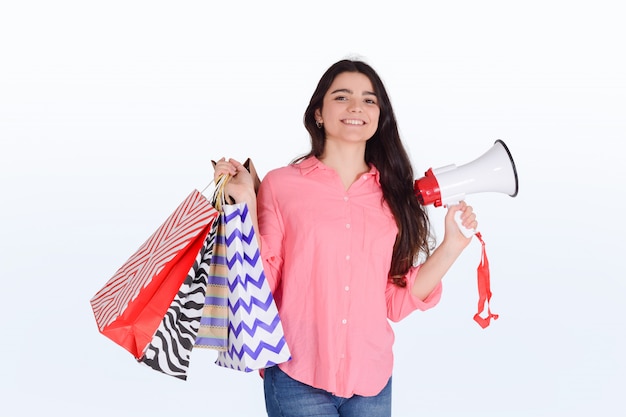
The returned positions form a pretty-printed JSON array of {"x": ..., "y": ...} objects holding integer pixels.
[{"x": 318, "y": 115}]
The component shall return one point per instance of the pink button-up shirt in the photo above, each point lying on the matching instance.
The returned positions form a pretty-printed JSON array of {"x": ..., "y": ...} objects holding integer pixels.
[{"x": 327, "y": 253}]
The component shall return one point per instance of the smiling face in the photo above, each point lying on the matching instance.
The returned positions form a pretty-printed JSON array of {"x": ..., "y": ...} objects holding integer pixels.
[{"x": 350, "y": 109}]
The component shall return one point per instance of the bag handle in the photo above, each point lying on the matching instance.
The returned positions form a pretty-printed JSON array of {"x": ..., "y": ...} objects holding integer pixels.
[
  {"x": 218, "y": 197},
  {"x": 255, "y": 176}
]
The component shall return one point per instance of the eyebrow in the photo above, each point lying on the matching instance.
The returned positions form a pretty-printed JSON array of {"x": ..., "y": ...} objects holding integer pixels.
[{"x": 346, "y": 90}]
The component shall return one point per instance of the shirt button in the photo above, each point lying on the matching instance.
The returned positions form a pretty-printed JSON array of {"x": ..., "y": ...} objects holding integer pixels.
[
  {"x": 345, "y": 198},
  {"x": 347, "y": 257},
  {"x": 344, "y": 321},
  {"x": 347, "y": 225},
  {"x": 347, "y": 288}
]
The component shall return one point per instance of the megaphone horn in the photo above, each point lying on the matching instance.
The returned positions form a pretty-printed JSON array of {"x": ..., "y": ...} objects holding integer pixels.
[{"x": 494, "y": 171}]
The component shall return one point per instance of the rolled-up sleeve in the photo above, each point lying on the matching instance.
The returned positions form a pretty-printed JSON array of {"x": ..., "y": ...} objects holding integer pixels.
[{"x": 401, "y": 302}]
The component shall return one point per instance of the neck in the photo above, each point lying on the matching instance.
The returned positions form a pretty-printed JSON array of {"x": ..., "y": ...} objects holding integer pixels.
[{"x": 348, "y": 162}]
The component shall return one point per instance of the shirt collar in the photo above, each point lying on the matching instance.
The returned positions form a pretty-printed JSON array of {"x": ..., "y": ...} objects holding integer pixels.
[{"x": 311, "y": 164}]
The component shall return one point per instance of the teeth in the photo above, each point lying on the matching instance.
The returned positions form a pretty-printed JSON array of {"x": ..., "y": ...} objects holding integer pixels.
[{"x": 353, "y": 122}]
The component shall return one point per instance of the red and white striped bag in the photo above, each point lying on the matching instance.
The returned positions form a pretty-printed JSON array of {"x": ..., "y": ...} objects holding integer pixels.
[{"x": 130, "y": 306}]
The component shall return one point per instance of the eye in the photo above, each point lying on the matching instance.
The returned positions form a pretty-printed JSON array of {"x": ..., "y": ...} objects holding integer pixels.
[
  {"x": 341, "y": 98},
  {"x": 370, "y": 101}
]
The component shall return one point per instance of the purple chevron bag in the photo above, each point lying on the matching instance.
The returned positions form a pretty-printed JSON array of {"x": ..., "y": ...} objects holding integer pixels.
[{"x": 255, "y": 332}]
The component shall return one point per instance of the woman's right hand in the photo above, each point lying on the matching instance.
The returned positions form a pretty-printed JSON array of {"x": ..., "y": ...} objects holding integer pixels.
[{"x": 241, "y": 184}]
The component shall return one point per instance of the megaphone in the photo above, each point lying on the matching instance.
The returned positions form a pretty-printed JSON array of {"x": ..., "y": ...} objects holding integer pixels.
[{"x": 494, "y": 171}]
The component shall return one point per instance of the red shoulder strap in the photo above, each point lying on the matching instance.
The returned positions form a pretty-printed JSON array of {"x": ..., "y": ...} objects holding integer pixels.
[{"x": 484, "y": 288}]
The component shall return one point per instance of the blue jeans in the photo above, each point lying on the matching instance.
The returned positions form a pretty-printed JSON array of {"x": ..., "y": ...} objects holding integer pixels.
[{"x": 286, "y": 397}]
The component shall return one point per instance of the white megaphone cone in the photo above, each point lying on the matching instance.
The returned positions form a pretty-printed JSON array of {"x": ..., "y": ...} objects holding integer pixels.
[{"x": 494, "y": 171}]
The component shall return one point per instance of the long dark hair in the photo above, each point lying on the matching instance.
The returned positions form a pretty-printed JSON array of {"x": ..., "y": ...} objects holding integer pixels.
[{"x": 386, "y": 152}]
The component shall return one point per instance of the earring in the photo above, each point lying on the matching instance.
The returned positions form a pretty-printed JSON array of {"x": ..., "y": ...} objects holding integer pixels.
[{"x": 319, "y": 124}]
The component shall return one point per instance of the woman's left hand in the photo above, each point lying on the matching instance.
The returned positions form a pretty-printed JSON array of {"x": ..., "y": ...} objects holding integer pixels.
[{"x": 453, "y": 234}]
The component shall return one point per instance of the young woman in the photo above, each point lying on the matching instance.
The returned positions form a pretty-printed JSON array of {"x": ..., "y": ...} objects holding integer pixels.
[{"x": 341, "y": 232}]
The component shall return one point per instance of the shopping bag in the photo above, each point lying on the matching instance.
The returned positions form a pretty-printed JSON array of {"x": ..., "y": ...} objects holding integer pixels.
[
  {"x": 130, "y": 306},
  {"x": 170, "y": 349},
  {"x": 213, "y": 331},
  {"x": 255, "y": 333}
]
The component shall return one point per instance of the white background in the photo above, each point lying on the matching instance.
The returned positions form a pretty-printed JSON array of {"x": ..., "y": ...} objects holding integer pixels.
[{"x": 110, "y": 113}]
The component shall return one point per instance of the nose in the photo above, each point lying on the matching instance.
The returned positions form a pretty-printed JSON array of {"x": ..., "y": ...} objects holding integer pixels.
[{"x": 355, "y": 106}]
